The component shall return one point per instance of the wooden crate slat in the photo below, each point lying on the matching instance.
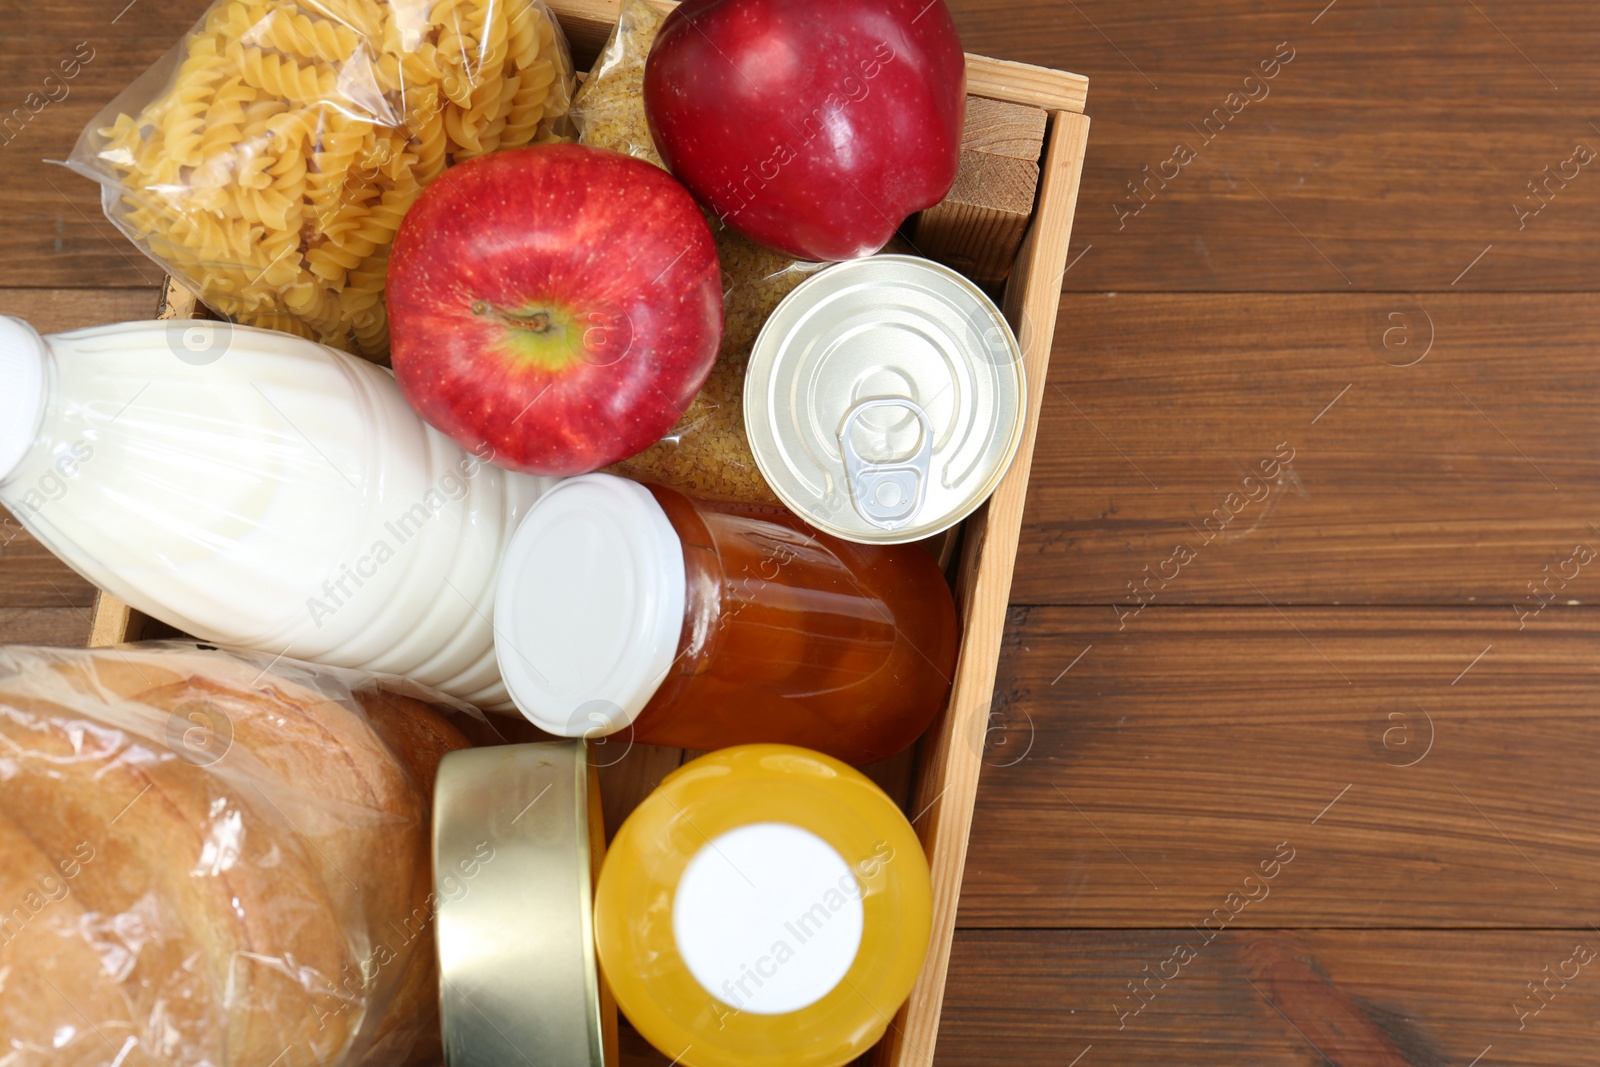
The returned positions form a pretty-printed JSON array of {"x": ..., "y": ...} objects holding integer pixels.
[
  {"x": 1024, "y": 83},
  {"x": 953, "y": 756},
  {"x": 1003, "y": 128},
  {"x": 978, "y": 227},
  {"x": 112, "y": 622}
]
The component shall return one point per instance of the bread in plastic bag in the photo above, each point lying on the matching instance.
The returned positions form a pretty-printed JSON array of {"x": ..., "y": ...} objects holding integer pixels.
[
  {"x": 268, "y": 159},
  {"x": 707, "y": 452},
  {"x": 209, "y": 857}
]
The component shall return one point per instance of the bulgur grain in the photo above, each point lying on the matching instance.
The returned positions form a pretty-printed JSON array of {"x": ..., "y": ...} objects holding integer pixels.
[{"x": 707, "y": 453}]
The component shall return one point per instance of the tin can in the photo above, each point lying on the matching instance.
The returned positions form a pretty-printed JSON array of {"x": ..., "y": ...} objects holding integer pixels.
[
  {"x": 517, "y": 843},
  {"x": 885, "y": 399}
]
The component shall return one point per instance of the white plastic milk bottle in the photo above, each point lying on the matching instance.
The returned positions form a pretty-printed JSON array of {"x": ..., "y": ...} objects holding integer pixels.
[{"x": 259, "y": 490}]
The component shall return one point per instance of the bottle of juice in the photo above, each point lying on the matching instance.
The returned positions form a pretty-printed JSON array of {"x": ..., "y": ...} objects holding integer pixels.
[
  {"x": 259, "y": 490},
  {"x": 706, "y": 625},
  {"x": 766, "y": 906}
]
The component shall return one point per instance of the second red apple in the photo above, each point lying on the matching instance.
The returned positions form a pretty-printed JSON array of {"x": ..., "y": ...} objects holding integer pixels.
[{"x": 813, "y": 126}]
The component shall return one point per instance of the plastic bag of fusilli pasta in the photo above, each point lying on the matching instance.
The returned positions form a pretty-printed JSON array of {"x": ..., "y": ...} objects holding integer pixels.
[{"x": 266, "y": 161}]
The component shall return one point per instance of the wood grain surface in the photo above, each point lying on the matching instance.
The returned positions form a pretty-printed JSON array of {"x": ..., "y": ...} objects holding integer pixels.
[
  {"x": 1446, "y": 449},
  {"x": 1426, "y": 767},
  {"x": 979, "y": 225},
  {"x": 1376, "y": 998},
  {"x": 1386, "y": 154},
  {"x": 1383, "y": 257}
]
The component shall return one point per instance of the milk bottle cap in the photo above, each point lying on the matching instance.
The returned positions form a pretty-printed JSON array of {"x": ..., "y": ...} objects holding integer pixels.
[
  {"x": 22, "y": 353},
  {"x": 589, "y": 606}
]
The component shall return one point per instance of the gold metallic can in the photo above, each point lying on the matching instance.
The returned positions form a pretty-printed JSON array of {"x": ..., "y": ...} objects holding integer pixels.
[{"x": 517, "y": 844}]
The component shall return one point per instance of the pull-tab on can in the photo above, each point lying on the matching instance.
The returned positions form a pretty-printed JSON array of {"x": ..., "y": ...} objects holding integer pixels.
[
  {"x": 888, "y": 495},
  {"x": 885, "y": 399}
]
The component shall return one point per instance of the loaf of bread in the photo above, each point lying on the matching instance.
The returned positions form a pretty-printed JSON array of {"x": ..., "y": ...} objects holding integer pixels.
[{"x": 209, "y": 858}]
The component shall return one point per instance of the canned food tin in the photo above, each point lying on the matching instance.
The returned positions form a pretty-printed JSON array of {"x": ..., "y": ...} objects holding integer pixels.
[
  {"x": 517, "y": 839},
  {"x": 885, "y": 399}
]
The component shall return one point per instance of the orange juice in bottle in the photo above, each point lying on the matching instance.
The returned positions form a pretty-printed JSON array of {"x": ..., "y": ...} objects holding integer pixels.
[
  {"x": 767, "y": 905},
  {"x": 703, "y": 625}
]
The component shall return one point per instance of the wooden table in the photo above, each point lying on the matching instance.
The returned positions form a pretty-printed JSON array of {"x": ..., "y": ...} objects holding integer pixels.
[{"x": 1294, "y": 751}]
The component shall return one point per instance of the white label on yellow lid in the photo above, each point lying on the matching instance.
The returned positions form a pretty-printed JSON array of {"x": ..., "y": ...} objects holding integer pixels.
[{"x": 768, "y": 918}]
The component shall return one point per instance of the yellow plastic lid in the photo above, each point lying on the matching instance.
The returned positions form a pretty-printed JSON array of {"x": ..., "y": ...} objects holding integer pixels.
[{"x": 766, "y": 905}]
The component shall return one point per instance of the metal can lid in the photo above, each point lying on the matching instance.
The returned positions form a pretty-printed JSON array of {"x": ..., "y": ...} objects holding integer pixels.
[
  {"x": 885, "y": 399},
  {"x": 517, "y": 841}
]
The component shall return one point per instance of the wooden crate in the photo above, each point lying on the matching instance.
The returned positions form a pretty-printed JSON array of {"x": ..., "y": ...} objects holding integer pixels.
[{"x": 938, "y": 781}]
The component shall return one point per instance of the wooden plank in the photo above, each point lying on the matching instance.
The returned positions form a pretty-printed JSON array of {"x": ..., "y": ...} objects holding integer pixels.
[
  {"x": 65, "y": 627},
  {"x": 978, "y": 227},
  {"x": 952, "y": 751},
  {"x": 57, "y": 310},
  {"x": 111, "y": 623},
  {"x": 1427, "y": 767},
  {"x": 999, "y": 128},
  {"x": 114, "y": 622},
  {"x": 149, "y": 23},
  {"x": 56, "y": 234},
  {"x": 1379, "y": 998},
  {"x": 32, "y": 577},
  {"x": 1459, "y": 479},
  {"x": 1041, "y": 86},
  {"x": 1374, "y": 141}
]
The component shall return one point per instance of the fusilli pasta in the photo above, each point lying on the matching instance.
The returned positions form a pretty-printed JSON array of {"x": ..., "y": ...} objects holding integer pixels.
[{"x": 273, "y": 172}]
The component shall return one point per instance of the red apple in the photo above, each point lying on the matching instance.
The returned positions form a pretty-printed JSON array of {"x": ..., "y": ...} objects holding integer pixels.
[
  {"x": 561, "y": 305},
  {"x": 812, "y": 126}
]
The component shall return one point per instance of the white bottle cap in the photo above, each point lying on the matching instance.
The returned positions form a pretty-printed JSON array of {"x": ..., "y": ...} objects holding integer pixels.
[
  {"x": 768, "y": 918},
  {"x": 589, "y": 606},
  {"x": 22, "y": 355}
]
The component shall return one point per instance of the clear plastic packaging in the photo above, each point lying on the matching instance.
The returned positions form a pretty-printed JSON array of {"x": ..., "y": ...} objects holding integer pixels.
[
  {"x": 218, "y": 858},
  {"x": 267, "y": 160},
  {"x": 706, "y": 453}
]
